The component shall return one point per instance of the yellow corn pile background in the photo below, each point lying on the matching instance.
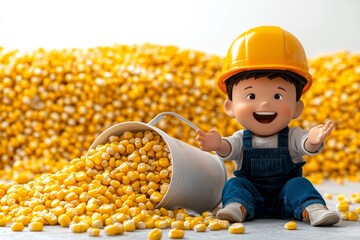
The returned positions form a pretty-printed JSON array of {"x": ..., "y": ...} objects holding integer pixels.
[{"x": 55, "y": 102}]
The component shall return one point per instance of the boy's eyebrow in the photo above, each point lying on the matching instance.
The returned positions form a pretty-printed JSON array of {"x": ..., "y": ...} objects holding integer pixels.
[
  {"x": 282, "y": 89},
  {"x": 248, "y": 87}
]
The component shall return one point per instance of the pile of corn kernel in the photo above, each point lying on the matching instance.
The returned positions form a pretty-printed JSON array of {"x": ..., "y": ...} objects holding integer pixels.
[
  {"x": 114, "y": 189},
  {"x": 55, "y": 102},
  {"x": 335, "y": 95}
]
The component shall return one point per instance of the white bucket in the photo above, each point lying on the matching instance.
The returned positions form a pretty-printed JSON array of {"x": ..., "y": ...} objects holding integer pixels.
[{"x": 198, "y": 177}]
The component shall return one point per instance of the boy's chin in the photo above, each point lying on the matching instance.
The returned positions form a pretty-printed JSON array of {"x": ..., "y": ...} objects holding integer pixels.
[{"x": 266, "y": 129}]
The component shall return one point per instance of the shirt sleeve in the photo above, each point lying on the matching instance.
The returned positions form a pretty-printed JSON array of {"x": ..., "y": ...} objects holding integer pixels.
[{"x": 236, "y": 144}]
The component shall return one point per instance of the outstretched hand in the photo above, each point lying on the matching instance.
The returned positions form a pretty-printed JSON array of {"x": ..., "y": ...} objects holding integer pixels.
[
  {"x": 208, "y": 141},
  {"x": 317, "y": 136},
  {"x": 319, "y": 133}
]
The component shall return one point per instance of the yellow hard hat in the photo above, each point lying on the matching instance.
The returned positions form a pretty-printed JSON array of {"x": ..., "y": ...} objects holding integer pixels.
[{"x": 265, "y": 48}]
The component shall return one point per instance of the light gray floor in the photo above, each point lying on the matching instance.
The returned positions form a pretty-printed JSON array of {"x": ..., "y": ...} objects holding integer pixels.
[{"x": 257, "y": 229}]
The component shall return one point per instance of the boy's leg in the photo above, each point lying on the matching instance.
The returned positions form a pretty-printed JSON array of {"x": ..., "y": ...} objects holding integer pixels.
[
  {"x": 238, "y": 199},
  {"x": 301, "y": 200}
]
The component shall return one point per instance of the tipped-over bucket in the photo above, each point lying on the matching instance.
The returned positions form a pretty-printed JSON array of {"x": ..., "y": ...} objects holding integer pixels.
[{"x": 198, "y": 177}]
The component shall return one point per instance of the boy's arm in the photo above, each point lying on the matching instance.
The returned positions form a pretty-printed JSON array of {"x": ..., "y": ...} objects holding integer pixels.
[
  {"x": 317, "y": 135},
  {"x": 212, "y": 141}
]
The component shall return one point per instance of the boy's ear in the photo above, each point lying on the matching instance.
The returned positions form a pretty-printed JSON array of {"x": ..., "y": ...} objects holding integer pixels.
[
  {"x": 228, "y": 107},
  {"x": 298, "y": 109}
]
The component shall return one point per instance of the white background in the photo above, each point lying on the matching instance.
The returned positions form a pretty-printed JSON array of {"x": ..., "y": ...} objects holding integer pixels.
[{"x": 323, "y": 26}]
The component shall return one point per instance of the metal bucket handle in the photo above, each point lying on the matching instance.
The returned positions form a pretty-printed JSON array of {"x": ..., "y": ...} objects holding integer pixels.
[{"x": 160, "y": 116}]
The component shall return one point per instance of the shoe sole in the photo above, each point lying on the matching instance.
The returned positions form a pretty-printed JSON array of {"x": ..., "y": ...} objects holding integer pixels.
[
  {"x": 327, "y": 221},
  {"x": 227, "y": 215}
]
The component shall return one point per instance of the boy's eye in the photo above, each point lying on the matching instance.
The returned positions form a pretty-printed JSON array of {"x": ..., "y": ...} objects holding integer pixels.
[
  {"x": 278, "y": 96},
  {"x": 250, "y": 96}
]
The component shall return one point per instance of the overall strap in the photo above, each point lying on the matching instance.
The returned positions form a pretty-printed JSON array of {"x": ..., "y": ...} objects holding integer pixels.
[
  {"x": 283, "y": 138},
  {"x": 247, "y": 141}
]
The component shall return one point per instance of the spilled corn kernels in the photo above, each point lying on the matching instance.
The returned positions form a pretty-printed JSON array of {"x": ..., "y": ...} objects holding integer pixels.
[
  {"x": 104, "y": 191},
  {"x": 97, "y": 190},
  {"x": 345, "y": 207}
]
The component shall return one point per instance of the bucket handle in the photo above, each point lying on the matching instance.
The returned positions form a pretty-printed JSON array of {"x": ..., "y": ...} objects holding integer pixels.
[{"x": 160, "y": 116}]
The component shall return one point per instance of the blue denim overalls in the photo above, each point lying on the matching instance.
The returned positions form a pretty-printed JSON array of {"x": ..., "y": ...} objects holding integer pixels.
[{"x": 269, "y": 184}]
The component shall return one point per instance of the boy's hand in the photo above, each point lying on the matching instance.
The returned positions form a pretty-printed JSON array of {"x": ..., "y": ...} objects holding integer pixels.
[
  {"x": 317, "y": 135},
  {"x": 208, "y": 141}
]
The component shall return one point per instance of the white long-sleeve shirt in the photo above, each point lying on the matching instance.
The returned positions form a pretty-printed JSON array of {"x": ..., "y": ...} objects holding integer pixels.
[{"x": 297, "y": 138}]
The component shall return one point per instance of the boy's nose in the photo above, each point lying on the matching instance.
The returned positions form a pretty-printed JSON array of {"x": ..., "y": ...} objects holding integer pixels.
[{"x": 264, "y": 103}]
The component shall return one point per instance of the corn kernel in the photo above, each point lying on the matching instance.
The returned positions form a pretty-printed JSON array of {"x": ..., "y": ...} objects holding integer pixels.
[
  {"x": 149, "y": 223},
  {"x": 93, "y": 232},
  {"x": 343, "y": 206},
  {"x": 97, "y": 223},
  {"x": 155, "y": 234},
  {"x": 344, "y": 216},
  {"x": 237, "y": 228},
  {"x": 160, "y": 224},
  {"x": 17, "y": 227},
  {"x": 129, "y": 225},
  {"x": 214, "y": 225},
  {"x": 200, "y": 227},
  {"x": 328, "y": 196},
  {"x": 51, "y": 218},
  {"x": 176, "y": 233},
  {"x": 357, "y": 210},
  {"x": 353, "y": 216},
  {"x": 77, "y": 228},
  {"x": 2, "y": 221},
  {"x": 36, "y": 226},
  {"x": 64, "y": 220},
  {"x": 25, "y": 220},
  {"x": 224, "y": 224},
  {"x": 290, "y": 225},
  {"x": 156, "y": 197},
  {"x": 178, "y": 224},
  {"x": 115, "y": 229}
]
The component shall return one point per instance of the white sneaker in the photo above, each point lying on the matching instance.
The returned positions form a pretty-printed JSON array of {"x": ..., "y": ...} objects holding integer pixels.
[
  {"x": 233, "y": 212},
  {"x": 319, "y": 215}
]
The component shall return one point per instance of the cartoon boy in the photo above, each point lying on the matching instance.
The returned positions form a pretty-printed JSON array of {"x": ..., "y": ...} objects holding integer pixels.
[{"x": 264, "y": 75}]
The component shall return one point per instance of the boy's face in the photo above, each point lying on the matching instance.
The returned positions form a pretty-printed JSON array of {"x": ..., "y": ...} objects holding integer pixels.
[{"x": 264, "y": 106}]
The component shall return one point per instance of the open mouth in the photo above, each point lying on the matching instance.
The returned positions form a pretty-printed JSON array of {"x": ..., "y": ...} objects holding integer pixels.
[{"x": 265, "y": 117}]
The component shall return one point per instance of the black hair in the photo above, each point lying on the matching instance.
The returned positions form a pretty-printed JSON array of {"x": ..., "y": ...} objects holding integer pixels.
[{"x": 288, "y": 76}]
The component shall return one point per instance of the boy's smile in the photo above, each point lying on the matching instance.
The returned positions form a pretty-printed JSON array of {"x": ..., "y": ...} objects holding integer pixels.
[{"x": 265, "y": 117}]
